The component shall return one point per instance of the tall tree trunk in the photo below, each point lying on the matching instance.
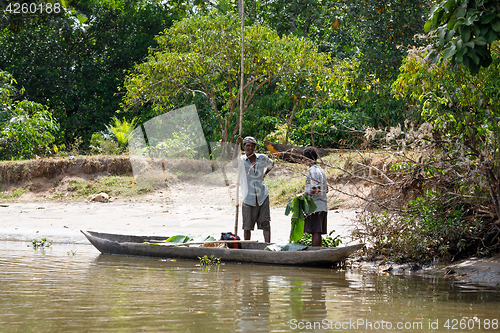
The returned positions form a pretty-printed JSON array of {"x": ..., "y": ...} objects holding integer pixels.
[
  {"x": 291, "y": 118},
  {"x": 293, "y": 19}
]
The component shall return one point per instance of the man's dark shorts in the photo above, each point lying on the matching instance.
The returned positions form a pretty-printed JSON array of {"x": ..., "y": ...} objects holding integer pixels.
[
  {"x": 256, "y": 214},
  {"x": 316, "y": 222}
]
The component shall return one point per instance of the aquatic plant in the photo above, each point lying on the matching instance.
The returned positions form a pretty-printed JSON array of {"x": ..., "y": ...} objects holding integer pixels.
[
  {"x": 42, "y": 243},
  {"x": 206, "y": 261}
]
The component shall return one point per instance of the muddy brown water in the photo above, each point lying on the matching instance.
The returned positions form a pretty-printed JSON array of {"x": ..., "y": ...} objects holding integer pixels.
[{"x": 73, "y": 288}]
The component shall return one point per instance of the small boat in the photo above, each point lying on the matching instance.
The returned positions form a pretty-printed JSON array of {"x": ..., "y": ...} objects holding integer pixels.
[{"x": 151, "y": 246}]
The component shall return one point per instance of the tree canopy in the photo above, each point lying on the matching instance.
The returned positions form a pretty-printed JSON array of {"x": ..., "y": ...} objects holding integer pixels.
[
  {"x": 202, "y": 56},
  {"x": 76, "y": 68}
]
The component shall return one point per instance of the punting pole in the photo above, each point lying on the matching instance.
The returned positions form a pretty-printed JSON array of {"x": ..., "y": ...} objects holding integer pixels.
[{"x": 241, "y": 113}]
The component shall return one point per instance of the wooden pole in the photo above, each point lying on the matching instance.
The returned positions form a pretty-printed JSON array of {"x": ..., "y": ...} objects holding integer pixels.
[
  {"x": 162, "y": 242},
  {"x": 241, "y": 114}
]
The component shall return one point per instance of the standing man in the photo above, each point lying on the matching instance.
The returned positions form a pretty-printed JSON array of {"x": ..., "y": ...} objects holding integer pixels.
[
  {"x": 254, "y": 167},
  {"x": 316, "y": 187}
]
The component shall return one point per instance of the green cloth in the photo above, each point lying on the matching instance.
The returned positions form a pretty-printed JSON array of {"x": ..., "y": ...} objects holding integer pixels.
[{"x": 301, "y": 206}]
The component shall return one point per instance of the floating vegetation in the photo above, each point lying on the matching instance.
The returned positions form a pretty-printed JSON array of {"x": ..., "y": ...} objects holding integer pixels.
[
  {"x": 42, "y": 243},
  {"x": 207, "y": 262}
]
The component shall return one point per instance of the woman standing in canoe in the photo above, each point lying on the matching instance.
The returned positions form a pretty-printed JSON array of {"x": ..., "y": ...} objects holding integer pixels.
[{"x": 317, "y": 187}]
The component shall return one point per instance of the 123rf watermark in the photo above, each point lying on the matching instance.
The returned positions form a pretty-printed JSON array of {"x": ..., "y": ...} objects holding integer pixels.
[{"x": 465, "y": 323}]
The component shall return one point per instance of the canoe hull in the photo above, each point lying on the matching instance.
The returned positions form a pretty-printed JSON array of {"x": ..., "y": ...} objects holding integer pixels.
[{"x": 251, "y": 252}]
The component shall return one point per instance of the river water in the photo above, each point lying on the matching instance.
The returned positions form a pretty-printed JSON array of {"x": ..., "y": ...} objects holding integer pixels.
[{"x": 73, "y": 288}]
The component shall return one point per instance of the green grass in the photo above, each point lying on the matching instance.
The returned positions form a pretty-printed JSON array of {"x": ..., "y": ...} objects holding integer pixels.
[
  {"x": 123, "y": 186},
  {"x": 283, "y": 188},
  {"x": 12, "y": 194}
]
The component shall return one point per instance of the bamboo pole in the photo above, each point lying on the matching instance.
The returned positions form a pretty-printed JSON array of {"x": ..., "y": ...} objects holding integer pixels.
[{"x": 241, "y": 114}]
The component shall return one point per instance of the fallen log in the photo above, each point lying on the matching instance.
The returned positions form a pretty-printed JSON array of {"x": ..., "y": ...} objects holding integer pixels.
[{"x": 291, "y": 153}]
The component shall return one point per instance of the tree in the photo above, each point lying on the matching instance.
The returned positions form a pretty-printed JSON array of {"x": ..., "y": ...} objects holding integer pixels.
[
  {"x": 373, "y": 34},
  {"x": 23, "y": 14},
  {"x": 465, "y": 109},
  {"x": 368, "y": 30},
  {"x": 26, "y": 128},
  {"x": 202, "y": 56},
  {"x": 464, "y": 31},
  {"x": 77, "y": 68}
]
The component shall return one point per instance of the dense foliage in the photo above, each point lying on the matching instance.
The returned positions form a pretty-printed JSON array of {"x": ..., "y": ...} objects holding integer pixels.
[
  {"x": 367, "y": 30},
  {"x": 74, "y": 63},
  {"x": 448, "y": 188},
  {"x": 202, "y": 56},
  {"x": 26, "y": 128},
  {"x": 464, "y": 31}
]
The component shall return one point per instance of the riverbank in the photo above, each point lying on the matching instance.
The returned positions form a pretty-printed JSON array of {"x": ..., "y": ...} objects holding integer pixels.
[
  {"x": 183, "y": 208},
  {"x": 44, "y": 210},
  {"x": 477, "y": 272},
  {"x": 62, "y": 222}
]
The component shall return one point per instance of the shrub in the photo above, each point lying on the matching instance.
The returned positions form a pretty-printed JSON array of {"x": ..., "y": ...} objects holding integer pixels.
[
  {"x": 431, "y": 226},
  {"x": 122, "y": 129},
  {"x": 29, "y": 131}
]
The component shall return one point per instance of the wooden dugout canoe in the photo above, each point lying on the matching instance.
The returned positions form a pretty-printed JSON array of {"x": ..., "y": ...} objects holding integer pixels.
[{"x": 250, "y": 252}]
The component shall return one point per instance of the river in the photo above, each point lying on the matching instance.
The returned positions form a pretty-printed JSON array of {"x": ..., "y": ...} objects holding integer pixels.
[{"x": 73, "y": 288}]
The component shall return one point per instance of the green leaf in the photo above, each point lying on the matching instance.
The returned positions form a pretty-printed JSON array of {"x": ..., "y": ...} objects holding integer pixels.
[
  {"x": 82, "y": 18},
  {"x": 441, "y": 35},
  {"x": 459, "y": 23},
  {"x": 449, "y": 52},
  {"x": 460, "y": 12},
  {"x": 473, "y": 55},
  {"x": 289, "y": 207},
  {"x": 451, "y": 24},
  {"x": 476, "y": 29},
  {"x": 427, "y": 26},
  {"x": 487, "y": 18},
  {"x": 480, "y": 41},
  {"x": 435, "y": 18},
  {"x": 474, "y": 68},
  {"x": 482, "y": 51},
  {"x": 178, "y": 239},
  {"x": 491, "y": 36},
  {"x": 471, "y": 17},
  {"x": 470, "y": 44},
  {"x": 496, "y": 25},
  {"x": 449, "y": 5},
  {"x": 484, "y": 31},
  {"x": 460, "y": 53},
  {"x": 466, "y": 60},
  {"x": 297, "y": 230},
  {"x": 465, "y": 34},
  {"x": 449, "y": 35},
  {"x": 202, "y": 239}
]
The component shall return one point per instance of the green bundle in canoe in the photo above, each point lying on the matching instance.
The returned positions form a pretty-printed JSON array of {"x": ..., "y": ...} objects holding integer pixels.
[{"x": 301, "y": 206}]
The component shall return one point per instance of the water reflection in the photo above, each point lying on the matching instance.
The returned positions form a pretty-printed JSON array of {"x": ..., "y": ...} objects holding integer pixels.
[{"x": 58, "y": 292}]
